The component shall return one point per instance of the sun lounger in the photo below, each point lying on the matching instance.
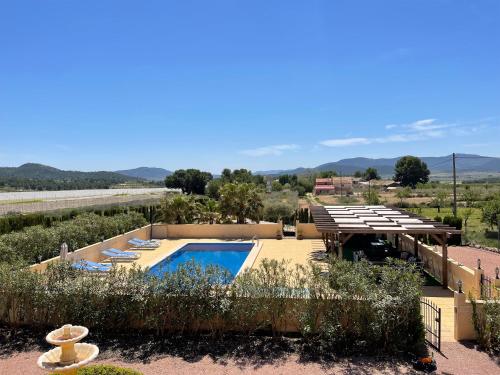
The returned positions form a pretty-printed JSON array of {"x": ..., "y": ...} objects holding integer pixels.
[
  {"x": 87, "y": 265},
  {"x": 146, "y": 242},
  {"x": 143, "y": 244},
  {"x": 123, "y": 253},
  {"x": 121, "y": 256}
]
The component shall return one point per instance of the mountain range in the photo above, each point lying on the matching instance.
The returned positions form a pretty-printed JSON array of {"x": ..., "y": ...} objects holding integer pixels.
[
  {"x": 465, "y": 163},
  {"x": 34, "y": 171},
  {"x": 146, "y": 173}
]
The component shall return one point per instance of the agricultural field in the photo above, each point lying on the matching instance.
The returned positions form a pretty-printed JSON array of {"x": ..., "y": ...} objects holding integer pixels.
[
  {"x": 43, "y": 201},
  {"x": 474, "y": 232}
]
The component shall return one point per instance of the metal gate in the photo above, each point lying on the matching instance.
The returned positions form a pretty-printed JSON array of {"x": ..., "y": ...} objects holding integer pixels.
[
  {"x": 432, "y": 322},
  {"x": 486, "y": 287}
]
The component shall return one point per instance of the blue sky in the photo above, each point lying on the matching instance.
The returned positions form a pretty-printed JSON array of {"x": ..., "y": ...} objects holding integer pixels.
[{"x": 104, "y": 85}]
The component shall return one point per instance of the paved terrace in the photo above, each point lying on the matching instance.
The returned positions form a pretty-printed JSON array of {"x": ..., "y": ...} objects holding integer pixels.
[{"x": 297, "y": 251}]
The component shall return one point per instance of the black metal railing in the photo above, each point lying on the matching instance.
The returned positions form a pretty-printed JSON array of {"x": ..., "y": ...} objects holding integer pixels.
[
  {"x": 486, "y": 287},
  {"x": 432, "y": 322}
]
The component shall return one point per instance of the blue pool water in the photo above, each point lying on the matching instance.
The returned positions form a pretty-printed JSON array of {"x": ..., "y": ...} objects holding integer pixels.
[{"x": 230, "y": 256}]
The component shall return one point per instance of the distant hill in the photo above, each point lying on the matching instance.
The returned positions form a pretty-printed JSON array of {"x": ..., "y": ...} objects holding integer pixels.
[
  {"x": 442, "y": 164},
  {"x": 43, "y": 177},
  {"x": 146, "y": 173}
]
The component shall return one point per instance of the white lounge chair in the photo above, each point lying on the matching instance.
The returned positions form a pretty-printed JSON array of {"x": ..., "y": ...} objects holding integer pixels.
[{"x": 118, "y": 255}]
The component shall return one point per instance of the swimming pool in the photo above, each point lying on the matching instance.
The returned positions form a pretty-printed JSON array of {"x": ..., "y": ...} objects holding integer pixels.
[{"x": 230, "y": 256}]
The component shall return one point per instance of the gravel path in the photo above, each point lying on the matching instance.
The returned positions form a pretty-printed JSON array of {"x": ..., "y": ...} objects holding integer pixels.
[
  {"x": 457, "y": 359},
  {"x": 25, "y": 363},
  {"x": 469, "y": 255},
  {"x": 20, "y": 348}
]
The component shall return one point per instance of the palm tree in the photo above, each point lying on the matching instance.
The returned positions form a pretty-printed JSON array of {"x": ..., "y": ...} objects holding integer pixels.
[
  {"x": 178, "y": 209},
  {"x": 241, "y": 201},
  {"x": 209, "y": 211}
]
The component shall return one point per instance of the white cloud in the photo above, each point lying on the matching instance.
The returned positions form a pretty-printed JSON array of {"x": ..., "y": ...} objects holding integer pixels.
[
  {"x": 275, "y": 150},
  {"x": 415, "y": 131},
  {"x": 345, "y": 142}
]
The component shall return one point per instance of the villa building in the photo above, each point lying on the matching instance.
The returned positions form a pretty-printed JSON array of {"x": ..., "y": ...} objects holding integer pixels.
[{"x": 324, "y": 186}]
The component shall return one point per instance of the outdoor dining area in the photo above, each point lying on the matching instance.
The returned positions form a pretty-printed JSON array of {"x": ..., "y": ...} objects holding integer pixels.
[{"x": 372, "y": 233}]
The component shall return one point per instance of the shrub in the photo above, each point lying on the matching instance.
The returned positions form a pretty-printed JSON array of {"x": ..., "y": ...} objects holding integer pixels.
[
  {"x": 37, "y": 242},
  {"x": 487, "y": 324},
  {"x": 453, "y": 221},
  {"x": 354, "y": 308},
  {"x": 18, "y": 222},
  {"x": 107, "y": 370}
]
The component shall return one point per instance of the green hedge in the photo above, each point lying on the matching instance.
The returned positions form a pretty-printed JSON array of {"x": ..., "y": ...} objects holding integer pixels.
[
  {"x": 107, "y": 370},
  {"x": 39, "y": 243},
  {"x": 356, "y": 307},
  {"x": 17, "y": 222}
]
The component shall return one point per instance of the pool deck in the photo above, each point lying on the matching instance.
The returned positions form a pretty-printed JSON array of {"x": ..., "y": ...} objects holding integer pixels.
[{"x": 296, "y": 251}]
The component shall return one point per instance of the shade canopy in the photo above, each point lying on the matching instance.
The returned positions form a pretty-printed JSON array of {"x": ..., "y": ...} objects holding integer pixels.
[{"x": 374, "y": 219}]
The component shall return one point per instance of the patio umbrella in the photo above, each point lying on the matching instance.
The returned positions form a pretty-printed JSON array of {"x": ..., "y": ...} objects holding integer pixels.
[{"x": 64, "y": 251}]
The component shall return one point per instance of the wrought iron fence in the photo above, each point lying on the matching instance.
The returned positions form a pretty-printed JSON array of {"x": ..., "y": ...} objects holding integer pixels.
[
  {"x": 432, "y": 322},
  {"x": 486, "y": 287}
]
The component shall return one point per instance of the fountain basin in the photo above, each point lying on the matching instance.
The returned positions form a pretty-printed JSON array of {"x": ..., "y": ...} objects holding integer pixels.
[
  {"x": 52, "y": 360},
  {"x": 67, "y": 334}
]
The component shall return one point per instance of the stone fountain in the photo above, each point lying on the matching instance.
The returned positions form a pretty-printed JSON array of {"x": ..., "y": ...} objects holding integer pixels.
[{"x": 70, "y": 355}]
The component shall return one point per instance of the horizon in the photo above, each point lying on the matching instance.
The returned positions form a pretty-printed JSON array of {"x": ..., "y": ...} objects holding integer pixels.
[
  {"x": 267, "y": 171},
  {"x": 112, "y": 86}
]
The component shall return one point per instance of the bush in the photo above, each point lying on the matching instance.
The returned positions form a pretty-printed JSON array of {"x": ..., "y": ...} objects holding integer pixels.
[
  {"x": 37, "y": 242},
  {"x": 487, "y": 324},
  {"x": 18, "y": 222},
  {"x": 107, "y": 370},
  {"x": 453, "y": 221},
  {"x": 355, "y": 308}
]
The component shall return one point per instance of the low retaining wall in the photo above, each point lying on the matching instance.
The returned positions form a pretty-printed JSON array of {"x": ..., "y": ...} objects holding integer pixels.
[
  {"x": 225, "y": 231},
  {"x": 93, "y": 252},
  {"x": 464, "y": 323},
  {"x": 307, "y": 230},
  {"x": 432, "y": 259}
]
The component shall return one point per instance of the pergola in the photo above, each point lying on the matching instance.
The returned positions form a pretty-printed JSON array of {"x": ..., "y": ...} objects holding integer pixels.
[{"x": 340, "y": 223}]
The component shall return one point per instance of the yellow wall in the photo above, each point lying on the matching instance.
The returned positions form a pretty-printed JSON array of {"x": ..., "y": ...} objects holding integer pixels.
[
  {"x": 433, "y": 264},
  {"x": 227, "y": 231},
  {"x": 307, "y": 231},
  {"x": 464, "y": 325}
]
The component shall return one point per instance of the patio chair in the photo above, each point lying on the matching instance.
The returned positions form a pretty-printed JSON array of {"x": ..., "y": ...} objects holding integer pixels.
[
  {"x": 87, "y": 265},
  {"x": 116, "y": 255},
  {"x": 137, "y": 243},
  {"x": 123, "y": 253}
]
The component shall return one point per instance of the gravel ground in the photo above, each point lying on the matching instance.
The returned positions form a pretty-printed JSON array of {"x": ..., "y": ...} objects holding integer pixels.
[
  {"x": 457, "y": 359},
  {"x": 469, "y": 255},
  {"x": 25, "y": 363},
  {"x": 19, "y": 350}
]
